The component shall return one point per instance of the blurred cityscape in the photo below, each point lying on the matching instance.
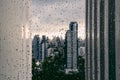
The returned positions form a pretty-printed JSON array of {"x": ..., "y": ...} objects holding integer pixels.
[
  {"x": 97, "y": 57},
  {"x": 70, "y": 52}
]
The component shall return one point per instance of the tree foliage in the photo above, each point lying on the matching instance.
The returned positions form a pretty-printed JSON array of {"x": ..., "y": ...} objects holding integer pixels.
[{"x": 53, "y": 69}]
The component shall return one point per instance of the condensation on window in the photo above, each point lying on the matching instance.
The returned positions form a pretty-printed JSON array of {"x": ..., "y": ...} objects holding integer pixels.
[{"x": 15, "y": 48}]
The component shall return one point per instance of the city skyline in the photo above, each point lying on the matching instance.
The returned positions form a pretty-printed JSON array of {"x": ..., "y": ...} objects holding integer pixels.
[
  {"x": 69, "y": 48},
  {"x": 52, "y": 17},
  {"x": 99, "y": 55},
  {"x": 54, "y": 36}
]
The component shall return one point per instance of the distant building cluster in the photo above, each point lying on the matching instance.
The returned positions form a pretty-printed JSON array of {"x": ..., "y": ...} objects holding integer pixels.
[
  {"x": 43, "y": 48},
  {"x": 71, "y": 47}
]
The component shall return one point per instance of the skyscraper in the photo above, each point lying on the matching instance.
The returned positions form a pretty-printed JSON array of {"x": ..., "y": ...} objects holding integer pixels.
[
  {"x": 44, "y": 46},
  {"x": 72, "y": 47},
  {"x": 36, "y": 48}
]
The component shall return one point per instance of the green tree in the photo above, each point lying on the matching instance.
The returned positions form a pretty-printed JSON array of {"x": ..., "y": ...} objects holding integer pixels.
[
  {"x": 81, "y": 67},
  {"x": 53, "y": 69}
]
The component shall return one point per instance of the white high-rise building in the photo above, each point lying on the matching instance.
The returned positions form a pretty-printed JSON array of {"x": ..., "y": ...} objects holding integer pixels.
[
  {"x": 72, "y": 48},
  {"x": 44, "y": 45},
  {"x": 36, "y": 48}
]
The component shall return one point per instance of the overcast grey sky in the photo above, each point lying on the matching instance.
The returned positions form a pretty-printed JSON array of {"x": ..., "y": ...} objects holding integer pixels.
[{"x": 52, "y": 17}]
